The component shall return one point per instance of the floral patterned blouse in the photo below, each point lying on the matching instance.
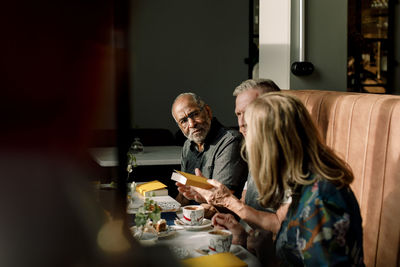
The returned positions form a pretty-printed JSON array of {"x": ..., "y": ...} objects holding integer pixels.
[{"x": 322, "y": 228}]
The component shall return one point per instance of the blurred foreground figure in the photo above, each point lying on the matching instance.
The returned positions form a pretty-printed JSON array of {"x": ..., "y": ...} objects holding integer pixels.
[{"x": 55, "y": 66}]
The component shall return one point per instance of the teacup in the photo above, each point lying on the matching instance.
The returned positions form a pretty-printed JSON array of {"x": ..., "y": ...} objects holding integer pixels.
[
  {"x": 193, "y": 214},
  {"x": 219, "y": 240}
]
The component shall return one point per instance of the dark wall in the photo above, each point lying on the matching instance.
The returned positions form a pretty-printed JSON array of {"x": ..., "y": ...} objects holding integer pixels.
[{"x": 181, "y": 45}]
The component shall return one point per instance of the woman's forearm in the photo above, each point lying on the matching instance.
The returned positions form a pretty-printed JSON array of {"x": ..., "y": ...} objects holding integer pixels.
[{"x": 266, "y": 220}]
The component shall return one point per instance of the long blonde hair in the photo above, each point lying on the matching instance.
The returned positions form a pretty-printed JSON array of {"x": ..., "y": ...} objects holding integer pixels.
[{"x": 283, "y": 146}]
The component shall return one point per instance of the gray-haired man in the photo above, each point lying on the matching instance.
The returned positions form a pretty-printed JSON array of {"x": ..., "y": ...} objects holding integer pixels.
[
  {"x": 246, "y": 93},
  {"x": 209, "y": 147}
]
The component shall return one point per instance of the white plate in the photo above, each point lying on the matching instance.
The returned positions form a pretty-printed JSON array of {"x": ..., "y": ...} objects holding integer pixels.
[
  {"x": 148, "y": 239},
  {"x": 167, "y": 233},
  {"x": 205, "y": 224},
  {"x": 170, "y": 231}
]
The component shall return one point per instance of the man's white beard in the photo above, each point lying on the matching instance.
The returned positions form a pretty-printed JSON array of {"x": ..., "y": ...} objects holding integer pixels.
[{"x": 199, "y": 137}]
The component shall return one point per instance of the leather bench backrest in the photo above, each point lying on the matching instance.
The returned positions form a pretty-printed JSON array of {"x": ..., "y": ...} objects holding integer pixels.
[{"x": 364, "y": 129}]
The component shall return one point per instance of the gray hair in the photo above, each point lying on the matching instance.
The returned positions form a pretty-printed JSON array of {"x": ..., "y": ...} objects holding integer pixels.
[
  {"x": 263, "y": 85},
  {"x": 196, "y": 99}
]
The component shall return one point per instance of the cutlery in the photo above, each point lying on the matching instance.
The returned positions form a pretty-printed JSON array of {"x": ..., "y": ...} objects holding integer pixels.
[
  {"x": 202, "y": 251},
  {"x": 179, "y": 220}
]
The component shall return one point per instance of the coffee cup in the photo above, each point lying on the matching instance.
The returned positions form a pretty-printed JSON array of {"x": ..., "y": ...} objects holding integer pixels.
[
  {"x": 193, "y": 214},
  {"x": 219, "y": 240}
]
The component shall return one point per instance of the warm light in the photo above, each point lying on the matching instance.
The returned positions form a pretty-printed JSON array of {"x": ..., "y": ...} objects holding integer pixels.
[{"x": 111, "y": 239}]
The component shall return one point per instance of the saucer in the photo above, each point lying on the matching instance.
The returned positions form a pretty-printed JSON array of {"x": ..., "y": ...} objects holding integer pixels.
[
  {"x": 205, "y": 250},
  {"x": 204, "y": 224}
]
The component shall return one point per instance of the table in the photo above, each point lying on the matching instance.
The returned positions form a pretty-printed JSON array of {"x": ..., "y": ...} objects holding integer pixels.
[
  {"x": 152, "y": 155},
  {"x": 185, "y": 241},
  {"x": 191, "y": 240}
]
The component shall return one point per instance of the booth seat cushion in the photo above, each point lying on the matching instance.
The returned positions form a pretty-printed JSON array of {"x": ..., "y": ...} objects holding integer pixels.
[{"x": 364, "y": 129}]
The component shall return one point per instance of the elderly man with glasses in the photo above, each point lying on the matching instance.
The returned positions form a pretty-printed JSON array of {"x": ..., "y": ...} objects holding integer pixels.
[{"x": 210, "y": 147}]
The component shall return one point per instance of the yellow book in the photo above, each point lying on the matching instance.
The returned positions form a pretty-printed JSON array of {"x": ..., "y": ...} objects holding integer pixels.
[
  {"x": 226, "y": 259},
  {"x": 145, "y": 189},
  {"x": 190, "y": 179}
]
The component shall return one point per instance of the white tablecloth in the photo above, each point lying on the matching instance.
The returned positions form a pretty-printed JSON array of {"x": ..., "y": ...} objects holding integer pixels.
[
  {"x": 188, "y": 241},
  {"x": 185, "y": 242}
]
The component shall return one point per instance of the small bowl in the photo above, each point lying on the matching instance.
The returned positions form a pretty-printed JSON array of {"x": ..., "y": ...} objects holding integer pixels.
[
  {"x": 145, "y": 238},
  {"x": 148, "y": 239}
]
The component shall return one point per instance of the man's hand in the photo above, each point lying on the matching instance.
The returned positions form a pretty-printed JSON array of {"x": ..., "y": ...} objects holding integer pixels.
[{"x": 228, "y": 221}]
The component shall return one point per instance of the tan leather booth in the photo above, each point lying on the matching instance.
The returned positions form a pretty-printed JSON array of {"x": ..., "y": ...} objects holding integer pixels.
[{"x": 364, "y": 129}]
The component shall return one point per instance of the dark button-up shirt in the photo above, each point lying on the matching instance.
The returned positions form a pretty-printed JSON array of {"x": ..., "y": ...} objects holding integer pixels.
[{"x": 220, "y": 158}]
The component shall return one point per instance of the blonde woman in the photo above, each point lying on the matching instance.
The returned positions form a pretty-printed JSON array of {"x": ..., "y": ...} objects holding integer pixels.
[{"x": 284, "y": 150}]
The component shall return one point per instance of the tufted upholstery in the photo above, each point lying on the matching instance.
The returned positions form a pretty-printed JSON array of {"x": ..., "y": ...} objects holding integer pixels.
[{"x": 364, "y": 129}]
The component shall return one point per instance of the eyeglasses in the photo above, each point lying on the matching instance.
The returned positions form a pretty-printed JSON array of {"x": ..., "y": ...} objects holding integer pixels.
[{"x": 194, "y": 115}]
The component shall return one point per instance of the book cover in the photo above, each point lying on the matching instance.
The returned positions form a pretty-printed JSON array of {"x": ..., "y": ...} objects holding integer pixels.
[
  {"x": 226, "y": 259},
  {"x": 153, "y": 188},
  {"x": 190, "y": 179}
]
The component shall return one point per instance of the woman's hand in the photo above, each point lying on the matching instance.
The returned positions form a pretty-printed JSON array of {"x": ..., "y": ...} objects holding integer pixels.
[
  {"x": 189, "y": 193},
  {"x": 227, "y": 221},
  {"x": 218, "y": 195}
]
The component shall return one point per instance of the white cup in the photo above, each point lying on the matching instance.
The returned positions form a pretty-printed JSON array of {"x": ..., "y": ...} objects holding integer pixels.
[
  {"x": 193, "y": 214},
  {"x": 219, "y": 240}
]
